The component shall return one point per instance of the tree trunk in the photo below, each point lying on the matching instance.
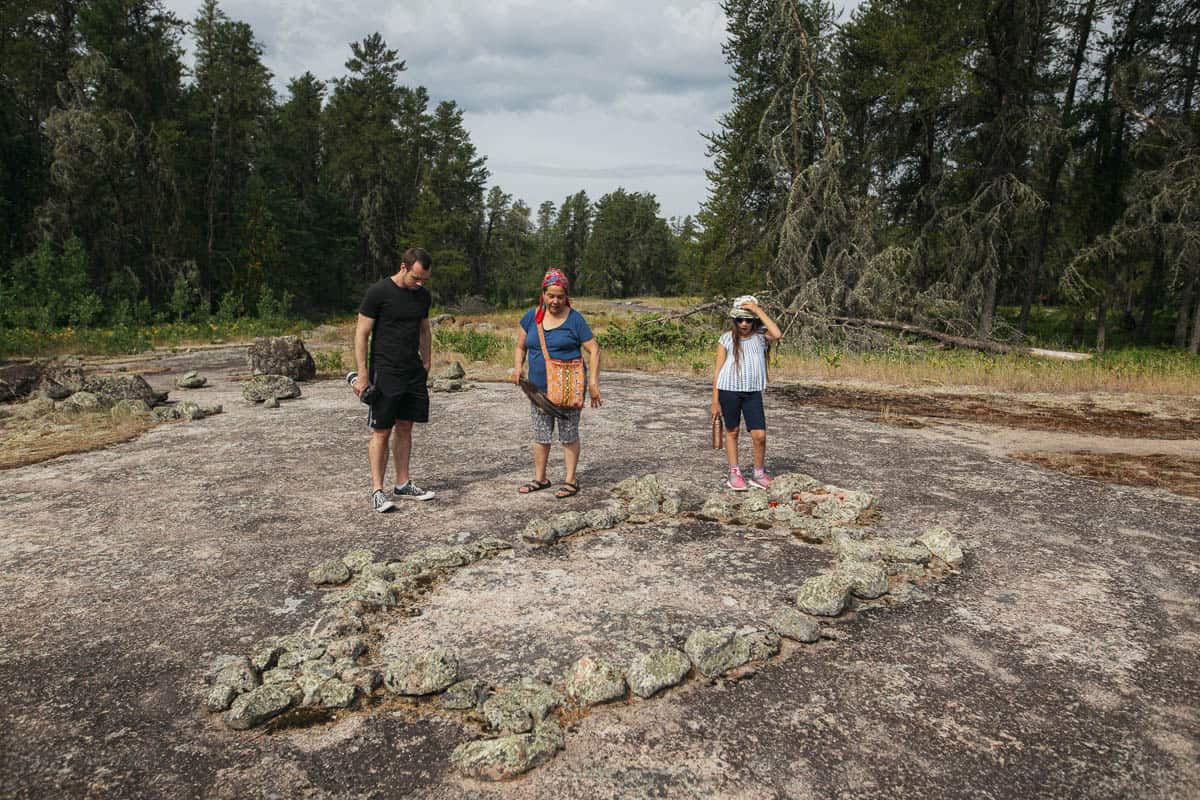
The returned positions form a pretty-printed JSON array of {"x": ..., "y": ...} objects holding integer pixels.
[
  {"x": 1185, "y": 306},
  {"x": 1101, "y": 324},
  {"x": 1152, "y": 294},
  {"x": 987, "y": 314},
  {"x": 1194, "y": 344}
]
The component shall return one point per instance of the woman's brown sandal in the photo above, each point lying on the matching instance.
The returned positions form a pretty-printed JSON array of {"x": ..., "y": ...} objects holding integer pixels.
[
  {"x": 534, "y": 486},
  {"x": 568, "y": 489}
]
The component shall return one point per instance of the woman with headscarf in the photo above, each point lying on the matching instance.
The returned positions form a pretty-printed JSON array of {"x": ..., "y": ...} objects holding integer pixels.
[{"x": 563, "y": 333}]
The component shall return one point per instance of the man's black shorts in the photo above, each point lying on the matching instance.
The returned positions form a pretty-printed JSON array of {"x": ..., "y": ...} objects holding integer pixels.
[{"x": 409, "y": 406}]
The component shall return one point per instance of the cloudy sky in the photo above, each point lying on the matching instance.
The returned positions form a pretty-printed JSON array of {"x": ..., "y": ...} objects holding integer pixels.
[{"x": 559, "y": 95}]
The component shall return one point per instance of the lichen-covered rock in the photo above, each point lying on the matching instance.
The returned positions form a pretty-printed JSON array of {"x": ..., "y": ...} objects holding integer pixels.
[
  {"x": 191, "y": 380},
  {"x": 717, "y": 509},
  {"x": 294, "y": 657},
  {"x": 264, "y": 387},
  {"x": 271, "y": 402},
  {"x": 715, "y": 651},
  {"x": 784, "y": 486},
  {"x": 277, "y": 676},
  {"x": 334, "y": 693},
  {"x": 762, "y": 644},
  {"x": 438, "y": 556},
  {"x": 486, "y": 546},
  {"x": 603, "y": 518},
  {"x": 868, "y": 579},
  {"x": 80, "y": 402},
  {"x": 281, "y": 355},
  {"x": 355, "y": 560},
  {"x": 824, "y": 595},
  {"x": 109, "y": 389},
  {"x": 466, "y": 695},
  {"x": 61, "y": 378},
  {"x": 129, "y": 408},
  {"x": 349, "y": 648},
  {"x": 220, "y": 697},
  {"x": 652, "y": 672},
  {"x": 800, "y": 627},
  {"x": 264, "y": 655},
  {"x": 591, "y": 681},
  {"x": 506, "y": 713},
  {"x": 943, "y": 544},
  {"x": 239, "y": 674},
  {"x": 839, "y": 506},
  {"x": 890, "y": 551},
  {"x": 509, "y": 756},
  {"x": 451, "y": 372},
  {"x": 330, "y": 573},
  {"x": 549, "y": 531},
  {"x": 335, "y": 625},
  {"x": 427, "y": 672},
  {"x": 443, "y": 385},
  {"x": 258, "y": 706}
]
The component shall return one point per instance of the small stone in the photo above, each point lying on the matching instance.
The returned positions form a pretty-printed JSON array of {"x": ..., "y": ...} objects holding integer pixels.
[
  {"x": 791, "y": 623},
  {"x": 264, "y": 655},
  {"x": 277, "y": 676},
  {"x": 239, "y": 674},
  {"x": 652, "y": 672},
  {"x": 465, "y": 695},
  {"x": 507, "y": 714},
  {"x": 509, "y": 756},
  {"x": 824, "y": 595},
  {"x": 258, "y": 706},
  {"x": 762, "y": 644},
  {"x": 220, "y": 697},
  {"x": 334, "y": 693},
  {"x": 294, "y": 658},
  {"x": 868, "y": 580},
  {"x": 190, "y": 380},
  {"x": 602, "y": 518},
  {"x": 355, "y": 560},
  {"x": 943, "y": 545},
  {"x": 350, "y": 648},
  {"x": 80, "y": 402},
  {"x": 427, "y": 672},
  {"x": 271, "y": 402},
  {"x": 592, "y": 681},
  {"x": 716, "y": 651},
  {"x": 330, "y": 573}
]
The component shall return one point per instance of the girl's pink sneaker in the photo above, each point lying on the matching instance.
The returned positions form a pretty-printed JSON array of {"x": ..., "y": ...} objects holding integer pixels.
[
  {"x": 737, "y": 482},
  {"x": 762, "y": 480}
]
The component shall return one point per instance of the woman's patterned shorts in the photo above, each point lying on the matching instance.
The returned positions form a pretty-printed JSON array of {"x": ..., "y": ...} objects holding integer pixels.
[{"x": 543, "y": 425}]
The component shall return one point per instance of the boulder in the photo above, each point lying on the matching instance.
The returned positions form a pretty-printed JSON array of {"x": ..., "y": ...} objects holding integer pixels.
[
  {"x": 591, "y": 681},
  {"x": 264, "y": 387},
  {"x": 792, "y": 624},
  {"x": 868, "y": 579},
  {"x": 20, "y": 379},
  {"x": 258, "y": 706},
  {"x": 427, "y": 672},
  {"x": 509, "y": 756},
  {"x": 329, "y": 573},
  {"x": 81, "y": 401},
  {"x": 466, "y": 695},
  {"x": 652, "y": 672},
  {"x": 191, "y": 380},
  {"x": 716, "y": 651},
  {"x": 943, "y": 545},
  {"x": 451, "y": 372},
  {"x": 281, "y": 355},
  {"x": 111, "y": 389},
  {"x": 61, "y": 378},
  {"x": 824, "y": 595}
]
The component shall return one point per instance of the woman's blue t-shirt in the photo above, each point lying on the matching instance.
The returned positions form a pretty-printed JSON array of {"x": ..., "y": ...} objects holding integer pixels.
[{"x": 562, "y": 342}]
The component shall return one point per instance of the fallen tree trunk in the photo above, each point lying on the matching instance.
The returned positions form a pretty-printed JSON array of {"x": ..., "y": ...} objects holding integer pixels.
[{"x": 961, "y": 341}]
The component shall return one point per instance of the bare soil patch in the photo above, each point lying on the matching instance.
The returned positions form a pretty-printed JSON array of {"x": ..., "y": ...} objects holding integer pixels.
[
  {"x": 897, "y": 407},
  {"x": 1173, "y": 473}
]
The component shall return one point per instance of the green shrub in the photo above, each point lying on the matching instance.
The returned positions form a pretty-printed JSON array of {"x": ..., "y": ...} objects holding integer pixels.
[
  {"x": 472, "y": 344},
  {"x": 329, "y": 361}
]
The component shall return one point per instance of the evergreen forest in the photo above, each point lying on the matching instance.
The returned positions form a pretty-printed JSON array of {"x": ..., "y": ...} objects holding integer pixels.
[{"x": 955, "y": 164}]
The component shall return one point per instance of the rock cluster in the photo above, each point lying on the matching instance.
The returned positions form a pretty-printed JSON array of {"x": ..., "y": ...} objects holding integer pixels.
[
  {"x": 322, "y": 666},
  {"x": 281, "y": 355}
]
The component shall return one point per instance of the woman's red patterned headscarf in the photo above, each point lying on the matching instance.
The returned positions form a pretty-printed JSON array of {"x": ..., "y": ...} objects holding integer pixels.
[{"x": 553, "y": 277}]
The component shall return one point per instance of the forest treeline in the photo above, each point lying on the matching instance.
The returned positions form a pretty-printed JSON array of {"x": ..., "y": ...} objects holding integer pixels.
[{"x": 931, "y": 162}]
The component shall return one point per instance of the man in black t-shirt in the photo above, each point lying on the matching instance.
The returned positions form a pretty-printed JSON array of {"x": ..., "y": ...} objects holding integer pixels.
[{"x": 394, "y": 317}]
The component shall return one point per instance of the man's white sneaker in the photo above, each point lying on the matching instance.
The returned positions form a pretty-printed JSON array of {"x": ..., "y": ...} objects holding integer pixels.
[
  {"x": 380, "y": 501},
  {"x": 410, "y": 491}
]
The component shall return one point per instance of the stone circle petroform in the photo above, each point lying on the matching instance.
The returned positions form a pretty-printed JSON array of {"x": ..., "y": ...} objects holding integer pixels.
[{"x": 334, "y": 662}]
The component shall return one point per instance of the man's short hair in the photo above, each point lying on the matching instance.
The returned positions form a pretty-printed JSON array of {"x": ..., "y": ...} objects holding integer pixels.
[{"x": 415, "y": 255}]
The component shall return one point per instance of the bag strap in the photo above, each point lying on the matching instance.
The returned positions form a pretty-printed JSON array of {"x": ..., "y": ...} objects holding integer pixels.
[{"x": 545, "y": 352}]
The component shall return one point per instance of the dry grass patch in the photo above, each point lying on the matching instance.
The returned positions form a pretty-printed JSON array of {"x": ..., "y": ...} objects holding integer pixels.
[
  {"x": 29, "y": 441},
  {"x": 1173, "y": 473}
]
